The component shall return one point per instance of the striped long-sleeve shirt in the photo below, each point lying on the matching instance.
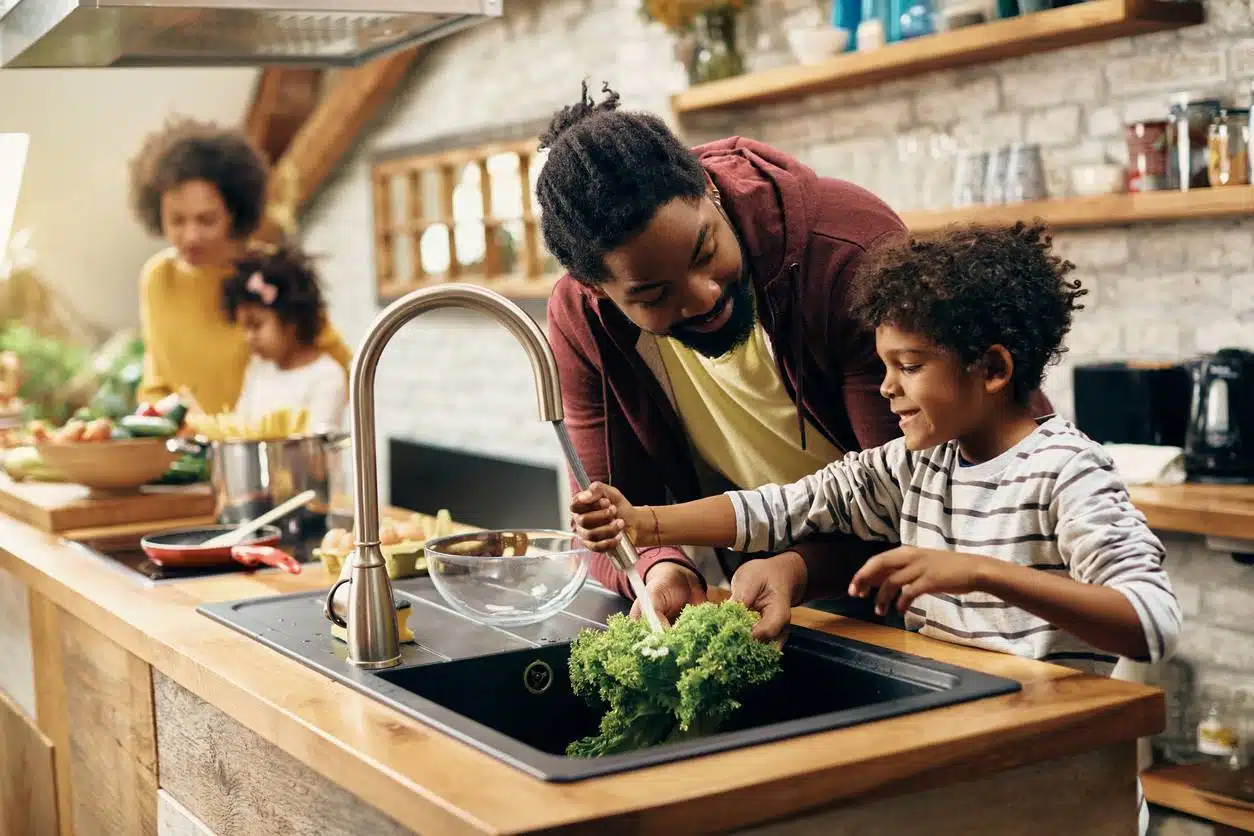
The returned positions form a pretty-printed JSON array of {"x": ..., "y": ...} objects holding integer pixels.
[{"x": 1053, "y": 503}]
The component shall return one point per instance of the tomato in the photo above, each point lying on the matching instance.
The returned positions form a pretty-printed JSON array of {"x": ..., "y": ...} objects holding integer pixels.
[{"x": 148, "y": 410}]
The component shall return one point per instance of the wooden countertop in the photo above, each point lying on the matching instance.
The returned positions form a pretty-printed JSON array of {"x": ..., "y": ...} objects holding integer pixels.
[
  {"x": 434, "y": 784},
  {"x": 1216, "y": 510}
]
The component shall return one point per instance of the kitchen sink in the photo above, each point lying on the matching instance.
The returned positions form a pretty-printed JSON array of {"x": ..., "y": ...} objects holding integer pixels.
[{"x": 507, "y": 692}]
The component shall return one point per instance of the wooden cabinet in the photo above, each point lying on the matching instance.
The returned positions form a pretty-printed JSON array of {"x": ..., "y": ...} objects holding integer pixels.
[
  {"x": 28, "y": 791},
  {"x": 112, "y": 735}
]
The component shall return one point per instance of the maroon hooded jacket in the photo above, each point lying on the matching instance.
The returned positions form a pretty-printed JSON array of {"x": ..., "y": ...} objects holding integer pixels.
[{"x": 803, "y": 237}]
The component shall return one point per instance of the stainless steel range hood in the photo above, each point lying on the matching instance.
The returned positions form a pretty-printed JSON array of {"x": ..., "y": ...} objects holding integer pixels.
[{"x": 213, "y": 33}]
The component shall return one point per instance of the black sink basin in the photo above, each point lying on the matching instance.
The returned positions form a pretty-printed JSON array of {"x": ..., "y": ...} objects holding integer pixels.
[
  {"x": 519, "y": 706},
  {"x": 508, "y": 693}
]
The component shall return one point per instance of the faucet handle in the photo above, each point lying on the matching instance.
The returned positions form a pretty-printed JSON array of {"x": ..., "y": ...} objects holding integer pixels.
[{"x": 328, "y": 606}]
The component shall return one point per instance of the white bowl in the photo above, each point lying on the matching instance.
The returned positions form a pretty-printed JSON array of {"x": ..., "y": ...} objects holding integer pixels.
[
  {"x": 1098, "y": 179},
  {"x": 816, "y": 45}
]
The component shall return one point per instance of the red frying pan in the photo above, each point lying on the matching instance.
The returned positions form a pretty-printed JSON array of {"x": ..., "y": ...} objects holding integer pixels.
[{"x": 181, "y": 548}]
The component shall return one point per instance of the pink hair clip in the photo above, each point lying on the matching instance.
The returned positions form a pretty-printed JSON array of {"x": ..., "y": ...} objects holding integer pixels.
[{"x": 258, "y": 286}]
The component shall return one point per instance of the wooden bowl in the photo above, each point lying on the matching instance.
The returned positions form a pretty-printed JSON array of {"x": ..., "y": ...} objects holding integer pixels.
[{"x": 114, "y": 465}]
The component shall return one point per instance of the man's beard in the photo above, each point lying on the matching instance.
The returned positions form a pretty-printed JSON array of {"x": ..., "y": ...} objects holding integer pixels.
[{"x": 733, "y": 334}]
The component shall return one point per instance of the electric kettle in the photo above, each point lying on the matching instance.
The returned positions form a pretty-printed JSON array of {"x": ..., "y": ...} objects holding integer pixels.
[{"x": 1219, "y": 442}]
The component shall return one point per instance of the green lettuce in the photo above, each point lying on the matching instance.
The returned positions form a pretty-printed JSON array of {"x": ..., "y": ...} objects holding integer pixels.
[{"x": 674, "y": 685}]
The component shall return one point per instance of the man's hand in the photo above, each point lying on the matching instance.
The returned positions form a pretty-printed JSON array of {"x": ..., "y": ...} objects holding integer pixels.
[
  {"x": 672, "y": 587},
  {"x": 772, "y": 586},
  {"x": 908, "y": 572},
  {"x": 600, "y": 515}
]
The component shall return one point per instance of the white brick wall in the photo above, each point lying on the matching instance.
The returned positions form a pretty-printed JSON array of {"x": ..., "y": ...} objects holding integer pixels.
[{"x": 1163, "y": 290}]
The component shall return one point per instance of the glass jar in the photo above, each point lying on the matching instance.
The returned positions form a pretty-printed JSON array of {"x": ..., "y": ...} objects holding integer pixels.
[
  {"x": 872, "y": 34},
  {"x": 1147, "y": 155},
  {"x": 1218, "y": 735},
  {"x": 1188, "y": 125},
  {"x": 1227, "y": 148}
]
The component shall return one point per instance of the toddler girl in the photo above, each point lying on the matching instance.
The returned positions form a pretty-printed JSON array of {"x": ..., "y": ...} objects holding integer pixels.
[{"x": 275, "y": 298}]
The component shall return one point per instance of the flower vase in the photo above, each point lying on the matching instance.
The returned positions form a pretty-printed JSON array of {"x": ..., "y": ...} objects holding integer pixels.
[{"x": 715, "y": 50}]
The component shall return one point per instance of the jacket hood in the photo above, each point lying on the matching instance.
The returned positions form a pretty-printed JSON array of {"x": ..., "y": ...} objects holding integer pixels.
[{"x": 764, "y": 192}]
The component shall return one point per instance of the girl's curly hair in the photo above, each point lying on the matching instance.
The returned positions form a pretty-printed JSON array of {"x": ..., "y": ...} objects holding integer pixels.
[
  {"x": 970, "y": 288},
  {"x": 187, "y": 149},
  {"x": 298, "y": 297}
]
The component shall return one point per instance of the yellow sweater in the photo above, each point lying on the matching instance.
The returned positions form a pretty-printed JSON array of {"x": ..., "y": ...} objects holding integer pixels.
[{"x": 188, "y": 341}]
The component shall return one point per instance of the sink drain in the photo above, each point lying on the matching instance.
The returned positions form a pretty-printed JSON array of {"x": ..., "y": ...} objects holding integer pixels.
[{"x": 538, "y": 677}]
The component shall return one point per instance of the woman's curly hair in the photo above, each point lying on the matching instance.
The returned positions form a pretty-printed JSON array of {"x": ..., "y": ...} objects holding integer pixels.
[
  {"x": 970, "y": 288},
  {"x": 187, "y": 149},
  {"x": 298, "y": 299}
]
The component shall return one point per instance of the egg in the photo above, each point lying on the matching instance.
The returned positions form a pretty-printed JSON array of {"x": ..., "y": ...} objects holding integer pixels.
[
  {"x": 410, "y": 531},
  {"x": 331, "y": 541},
  {"x": 347, "y": 541}
]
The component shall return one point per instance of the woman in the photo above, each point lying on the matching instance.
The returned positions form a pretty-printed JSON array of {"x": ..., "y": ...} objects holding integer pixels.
[{"x": 203, "y": 189}]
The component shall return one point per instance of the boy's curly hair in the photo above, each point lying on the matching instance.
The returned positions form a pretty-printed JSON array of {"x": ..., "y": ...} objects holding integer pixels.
[
  {"x": 298, "y": 298},
  {"x": 970, "y": 288},
  {"x": 187, "y": 149}
]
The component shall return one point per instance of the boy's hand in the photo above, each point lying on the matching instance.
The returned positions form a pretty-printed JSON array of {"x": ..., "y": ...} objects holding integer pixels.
[
  {"x": 601, "y": 514},
  {"x": 772, "y": 586},
  {"x": 912, "y": 572}
]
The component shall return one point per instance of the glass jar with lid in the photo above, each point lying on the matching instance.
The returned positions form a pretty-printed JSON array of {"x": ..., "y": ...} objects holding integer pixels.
[
  {"x": 1227, "y": 148},
  {"x": 1189, "y": 121}
]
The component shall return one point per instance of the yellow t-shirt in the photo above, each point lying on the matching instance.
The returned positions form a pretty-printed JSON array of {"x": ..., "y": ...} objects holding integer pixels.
[
  {"x": 738, "y": 415},
  {"x": 188, "y": 341}
]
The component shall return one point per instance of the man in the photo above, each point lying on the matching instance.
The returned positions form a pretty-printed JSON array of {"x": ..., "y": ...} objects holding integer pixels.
[{"x": 703, "y": 333}]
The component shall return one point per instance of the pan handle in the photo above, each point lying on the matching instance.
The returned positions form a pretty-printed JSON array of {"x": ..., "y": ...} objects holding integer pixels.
[{"x": 267, "y": 555}]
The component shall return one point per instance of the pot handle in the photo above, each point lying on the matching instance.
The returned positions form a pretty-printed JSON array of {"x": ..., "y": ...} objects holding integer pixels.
[
  {"x": 185, "y": 446},
  {"x": 266, "y": 555}
]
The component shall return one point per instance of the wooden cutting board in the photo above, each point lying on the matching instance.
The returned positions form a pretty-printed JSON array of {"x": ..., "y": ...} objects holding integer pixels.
[{"x": 58, "y": 507}]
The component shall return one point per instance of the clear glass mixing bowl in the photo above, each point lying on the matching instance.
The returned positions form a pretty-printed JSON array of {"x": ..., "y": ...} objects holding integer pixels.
[{"x": 508, "y": 578}]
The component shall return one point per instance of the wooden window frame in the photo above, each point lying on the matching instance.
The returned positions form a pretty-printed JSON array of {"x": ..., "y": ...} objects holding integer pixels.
[{"x": 533, "y": 283}]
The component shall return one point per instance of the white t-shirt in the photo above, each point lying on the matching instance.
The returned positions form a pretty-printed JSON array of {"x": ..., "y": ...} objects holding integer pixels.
[{"x": 318, "y": 387}]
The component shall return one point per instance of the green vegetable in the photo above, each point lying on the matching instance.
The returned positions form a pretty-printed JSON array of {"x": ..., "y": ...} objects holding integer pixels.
[
  {"x": 188, "y": 469},
  {"x": 669, "y": 686},
  {"x": 151, "y": 426},
  {"x": 175, "y": 414},
  {"x": 24, "y": 464},
  {"x": 49, "y": 369}
]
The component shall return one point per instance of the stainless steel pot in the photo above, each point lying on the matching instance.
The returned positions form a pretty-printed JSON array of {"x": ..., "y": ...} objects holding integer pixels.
[{"x": 251, "y": 477}]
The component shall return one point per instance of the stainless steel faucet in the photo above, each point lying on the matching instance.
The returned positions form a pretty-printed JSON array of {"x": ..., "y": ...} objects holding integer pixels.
[{"x": 366, "y": 609}]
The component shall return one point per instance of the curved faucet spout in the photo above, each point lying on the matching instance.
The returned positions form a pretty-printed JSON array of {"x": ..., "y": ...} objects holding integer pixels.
[
  {"x": 368, "y": 613},
  {"x": 361, "y": 398}
]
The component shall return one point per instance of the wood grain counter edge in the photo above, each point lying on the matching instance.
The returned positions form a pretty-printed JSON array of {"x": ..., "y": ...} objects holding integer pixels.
[
  {"x": 1214, "y": 510},
  {"x": 432, "y": 783}
]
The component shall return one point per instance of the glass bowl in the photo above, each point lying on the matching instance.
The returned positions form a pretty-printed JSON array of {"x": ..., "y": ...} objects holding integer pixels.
[{"x": 508, "y": 578}]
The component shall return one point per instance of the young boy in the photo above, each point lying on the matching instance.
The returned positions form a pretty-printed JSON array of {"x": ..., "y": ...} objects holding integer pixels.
[{"x": 1016, "y": 535}]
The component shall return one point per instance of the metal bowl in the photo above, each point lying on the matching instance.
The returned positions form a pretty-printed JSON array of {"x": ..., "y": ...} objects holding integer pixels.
[{"x": 508, "y": 578}]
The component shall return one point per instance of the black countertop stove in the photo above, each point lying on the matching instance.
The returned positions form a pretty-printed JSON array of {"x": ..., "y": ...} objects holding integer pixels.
[{"x": 132, "y": 561}]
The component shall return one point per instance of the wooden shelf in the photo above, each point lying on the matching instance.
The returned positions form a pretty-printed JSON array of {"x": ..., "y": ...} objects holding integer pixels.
[
  {"x": 1214, "y": 510},
  {"x": 1175, "y": 787},
  {"x": 516, "y": 288},
  {"x": 1088, "y": 22},
  {"x": 1102, "y": 210}
]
